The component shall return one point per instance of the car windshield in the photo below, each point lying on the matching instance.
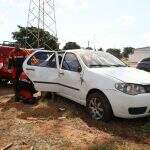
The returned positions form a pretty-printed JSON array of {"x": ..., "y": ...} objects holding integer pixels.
[{"x": 100, "y": 59}]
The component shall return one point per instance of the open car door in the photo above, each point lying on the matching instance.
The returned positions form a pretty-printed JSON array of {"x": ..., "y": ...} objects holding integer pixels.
[{"x": 42, "y": 69}]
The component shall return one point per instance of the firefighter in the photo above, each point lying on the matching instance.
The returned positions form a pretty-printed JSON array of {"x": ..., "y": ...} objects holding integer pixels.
[
  {"x": 26, "y": 89},
  {"x": 16, "y": 59}
]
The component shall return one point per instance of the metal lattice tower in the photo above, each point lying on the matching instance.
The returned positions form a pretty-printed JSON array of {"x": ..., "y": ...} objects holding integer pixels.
[{"x": 42, "y": 16}]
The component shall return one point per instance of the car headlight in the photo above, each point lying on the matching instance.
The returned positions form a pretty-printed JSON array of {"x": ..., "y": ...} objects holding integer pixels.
[{"x": 129, "y": 88}]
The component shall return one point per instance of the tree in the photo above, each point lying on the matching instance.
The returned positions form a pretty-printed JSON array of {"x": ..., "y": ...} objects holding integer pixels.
[
  {"x": 100, "y": 49},
  {"x": 71, "y": 45},
  {"x": 46, "y": 41},
  {"x": 89, "y": 48},
  {"x": 127, "y": 51},
  {"x": 115, "y": 52}
]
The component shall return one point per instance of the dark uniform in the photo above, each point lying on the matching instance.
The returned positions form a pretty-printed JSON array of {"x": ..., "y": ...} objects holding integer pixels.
[{"x": 16, "y": 59}]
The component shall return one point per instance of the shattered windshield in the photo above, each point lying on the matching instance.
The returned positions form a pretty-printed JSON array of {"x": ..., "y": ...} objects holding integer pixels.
[{"x": 101, "y": 59}]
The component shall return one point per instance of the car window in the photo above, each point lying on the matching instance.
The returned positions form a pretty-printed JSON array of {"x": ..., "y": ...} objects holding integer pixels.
[
  {"x": 43, "y": 59},
  {"x": 70, "y": 62}
]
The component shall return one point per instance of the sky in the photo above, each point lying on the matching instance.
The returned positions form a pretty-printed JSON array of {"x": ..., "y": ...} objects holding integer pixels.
[{"x": 105, "y": 23}]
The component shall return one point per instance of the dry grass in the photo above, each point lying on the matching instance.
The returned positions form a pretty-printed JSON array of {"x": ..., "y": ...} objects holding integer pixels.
[{"x": 41, "y": 126}]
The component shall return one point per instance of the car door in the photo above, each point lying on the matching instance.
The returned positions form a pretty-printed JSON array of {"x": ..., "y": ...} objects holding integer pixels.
[
  {"x": 70, "y": 77},
  {"x": 42, "y": 69}
]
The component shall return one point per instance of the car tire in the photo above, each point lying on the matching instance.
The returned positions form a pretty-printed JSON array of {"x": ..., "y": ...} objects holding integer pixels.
[{"x": 99, "y": 107}]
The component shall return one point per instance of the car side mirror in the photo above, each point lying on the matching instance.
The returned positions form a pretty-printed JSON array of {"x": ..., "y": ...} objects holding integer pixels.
[{"x": 79, "y": 69}]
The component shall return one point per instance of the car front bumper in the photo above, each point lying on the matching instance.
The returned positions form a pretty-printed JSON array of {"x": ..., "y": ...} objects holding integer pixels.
[{"x": 129, "y": 106}]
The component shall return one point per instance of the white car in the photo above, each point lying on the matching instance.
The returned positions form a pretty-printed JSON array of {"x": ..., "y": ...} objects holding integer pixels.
[{"x": 97, "y": 80}]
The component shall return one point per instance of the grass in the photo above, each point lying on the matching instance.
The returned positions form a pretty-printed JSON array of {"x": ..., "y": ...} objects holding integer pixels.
[
  {"x": 44, "y": 101},
  {"x": 143, "y": 130},
  {"x": 28, "y": 127},
  {"x": 105, "y": 146},
  {"x": 77, "y": 130}
]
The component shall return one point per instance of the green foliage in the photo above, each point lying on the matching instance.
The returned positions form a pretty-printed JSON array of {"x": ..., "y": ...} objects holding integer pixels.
[
  {"x": 127, "y": 51},
  {"x": 100, "y": 49},
  {"x": 89, "y": 48},
  {"x": 71, "y": 45},
  {"x": 46, "y": 41},
  {"x": 115, "y": 52}
]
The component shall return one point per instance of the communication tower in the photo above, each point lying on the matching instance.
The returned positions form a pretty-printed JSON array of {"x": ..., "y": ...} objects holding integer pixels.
[{"x": 42, "y": 16}]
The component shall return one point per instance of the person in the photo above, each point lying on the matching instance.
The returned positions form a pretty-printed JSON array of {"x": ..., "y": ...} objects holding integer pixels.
[
  {"x": 28, "y": 94},
  {"x": 16, "y": 59}
]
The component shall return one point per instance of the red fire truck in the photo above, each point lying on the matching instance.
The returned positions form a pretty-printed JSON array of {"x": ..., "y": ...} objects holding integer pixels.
[{"x": 6, "y": 74}]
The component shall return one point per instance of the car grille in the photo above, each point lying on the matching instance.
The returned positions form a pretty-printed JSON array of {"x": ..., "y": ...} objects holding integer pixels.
[{"x": 147, "y": 88}]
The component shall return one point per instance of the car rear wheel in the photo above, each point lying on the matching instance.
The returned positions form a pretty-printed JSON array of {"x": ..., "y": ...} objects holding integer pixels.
[{"x": 99, "y": 107}]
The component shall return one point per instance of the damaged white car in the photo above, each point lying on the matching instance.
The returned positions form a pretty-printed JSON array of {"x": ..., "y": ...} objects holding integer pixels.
[{"x": 97, "y": 80}]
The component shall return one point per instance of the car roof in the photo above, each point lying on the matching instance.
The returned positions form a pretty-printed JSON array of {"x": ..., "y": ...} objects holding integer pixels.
[
  {"x": 75, "y": 51},
  {"x": 145, "y": 59},
  {"x": 80, "y": 51}
]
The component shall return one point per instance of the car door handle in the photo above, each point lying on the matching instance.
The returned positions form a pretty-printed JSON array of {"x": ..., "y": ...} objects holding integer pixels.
[{"x": 30, "y": 69}]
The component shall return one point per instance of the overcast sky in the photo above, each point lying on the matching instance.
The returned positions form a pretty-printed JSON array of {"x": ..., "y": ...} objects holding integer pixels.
[{"x": 106, "y": 23}]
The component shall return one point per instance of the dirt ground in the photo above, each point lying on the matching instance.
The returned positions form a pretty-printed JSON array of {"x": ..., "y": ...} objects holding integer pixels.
[{"x": 61, "y": 124}]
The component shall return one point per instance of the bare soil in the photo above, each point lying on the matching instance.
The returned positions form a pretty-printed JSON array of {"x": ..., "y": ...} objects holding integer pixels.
[{"x": 61, "y": 124}]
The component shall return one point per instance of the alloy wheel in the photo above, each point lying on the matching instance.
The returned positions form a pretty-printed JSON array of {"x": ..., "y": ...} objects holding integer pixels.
[{"x": 96, "y": 108}]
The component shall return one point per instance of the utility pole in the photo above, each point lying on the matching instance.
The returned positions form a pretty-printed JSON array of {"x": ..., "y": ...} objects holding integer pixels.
[
  {"x": 88, "y": 43},
  {"x": 42, "y": 16}
]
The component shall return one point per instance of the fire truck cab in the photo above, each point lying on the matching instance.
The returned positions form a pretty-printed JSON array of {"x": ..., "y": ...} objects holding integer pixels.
[{"x": 5, "y": 72}]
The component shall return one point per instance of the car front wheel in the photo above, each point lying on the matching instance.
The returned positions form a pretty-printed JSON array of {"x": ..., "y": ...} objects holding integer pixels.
[{"x": 99, "y": 107}]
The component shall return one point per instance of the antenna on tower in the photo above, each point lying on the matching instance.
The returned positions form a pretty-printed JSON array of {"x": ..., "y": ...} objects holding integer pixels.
[{"x": 41, "y": 16}]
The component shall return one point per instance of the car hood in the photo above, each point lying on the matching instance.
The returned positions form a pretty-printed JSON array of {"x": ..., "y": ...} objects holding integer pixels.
[{"x": 125, "y": 74}]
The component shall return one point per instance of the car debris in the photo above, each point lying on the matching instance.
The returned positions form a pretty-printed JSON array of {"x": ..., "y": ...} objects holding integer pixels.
[
  {"x": 7, "y": 146},
  {"x": 62, "y": 109},
  {"x": 61, "y": 118}
]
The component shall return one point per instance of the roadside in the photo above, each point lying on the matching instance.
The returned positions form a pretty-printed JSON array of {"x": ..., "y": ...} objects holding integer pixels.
[
  {"x": 63, "y": 124},
  {"x": 6, "y": 90}
]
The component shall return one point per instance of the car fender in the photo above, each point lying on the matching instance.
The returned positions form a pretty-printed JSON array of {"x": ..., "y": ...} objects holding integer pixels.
[{"x": 101, "y": 82}]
